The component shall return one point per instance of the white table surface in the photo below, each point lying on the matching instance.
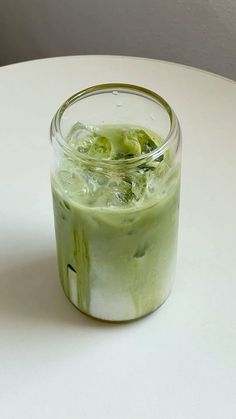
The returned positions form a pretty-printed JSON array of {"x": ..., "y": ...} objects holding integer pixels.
[{"x": 178, "y": 363}]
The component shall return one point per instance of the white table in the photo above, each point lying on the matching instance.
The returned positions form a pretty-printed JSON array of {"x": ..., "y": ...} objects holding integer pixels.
[{"x": 178, "y": 363}]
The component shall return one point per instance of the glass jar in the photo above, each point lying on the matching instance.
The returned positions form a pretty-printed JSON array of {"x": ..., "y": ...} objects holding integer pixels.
[{"x": 115, "y": 185}]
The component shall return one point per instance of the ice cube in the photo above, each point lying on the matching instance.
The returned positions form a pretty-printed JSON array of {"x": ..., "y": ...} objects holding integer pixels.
[
  {"x": 73, "y": 182},
  {"x": 139, "y": 183},
  {"x": 94, "y": 180},
  {"x": 137, "y": 141},
  {"x": 65, "y": 177},
  {"x": 87, "y": 140},
  {"x": 132, "y": 146},
  {"x": 123, "y": 191},
  {"x": 81, "y": 137},
  {"x": 156, "y": 177},
  {"x": 120, "y": 191},
  {"x": 101, "y": 148},
  {"x": 146, "y": 142}
]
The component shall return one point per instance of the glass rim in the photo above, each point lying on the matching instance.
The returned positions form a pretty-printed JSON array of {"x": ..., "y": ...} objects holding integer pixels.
[{"x": 55, "y": 128}]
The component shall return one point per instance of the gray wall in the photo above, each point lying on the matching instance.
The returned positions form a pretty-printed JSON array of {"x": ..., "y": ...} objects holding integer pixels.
[{"x": 200, "y": 33}]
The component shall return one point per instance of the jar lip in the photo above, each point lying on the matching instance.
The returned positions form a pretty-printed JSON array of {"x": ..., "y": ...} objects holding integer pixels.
[{"x": 55, "y": 129}]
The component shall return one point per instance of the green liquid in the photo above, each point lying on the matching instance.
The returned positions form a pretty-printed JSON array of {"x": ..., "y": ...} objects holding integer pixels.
[{"x": 116, "y": 242}]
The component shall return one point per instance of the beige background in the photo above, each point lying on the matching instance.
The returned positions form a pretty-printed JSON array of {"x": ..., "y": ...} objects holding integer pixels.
[{"x": 194, "y": 32}]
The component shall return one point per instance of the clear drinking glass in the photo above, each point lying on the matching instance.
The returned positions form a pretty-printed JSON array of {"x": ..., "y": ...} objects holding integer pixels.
[{"x": 115, "y": 185}]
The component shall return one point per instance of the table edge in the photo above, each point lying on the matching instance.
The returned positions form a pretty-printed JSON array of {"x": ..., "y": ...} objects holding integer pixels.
[{"x": 114, "y": 56}]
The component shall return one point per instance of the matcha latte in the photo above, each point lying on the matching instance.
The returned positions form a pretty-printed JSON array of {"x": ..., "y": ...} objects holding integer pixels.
[{"x": 116, "y": 197}]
